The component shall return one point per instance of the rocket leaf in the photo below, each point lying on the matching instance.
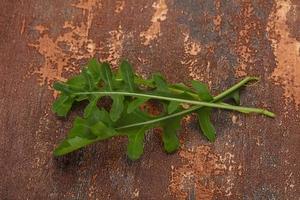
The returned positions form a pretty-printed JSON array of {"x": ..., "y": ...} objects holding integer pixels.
[{"x": 125, "y": 117}]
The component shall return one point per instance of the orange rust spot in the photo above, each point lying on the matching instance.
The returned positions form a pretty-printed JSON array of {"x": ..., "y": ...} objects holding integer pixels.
[
  {"x": 243, "y": 48},
  {"x": 202, "y": 164},
  {"x": 191, "y": 49},
  {"x": 119, "y": 6},
  {"x": 217, "y": 22},
  {"x": 75, "y": 41},
  {"x": 153, "y": 31},
  {"x": 286, "y": 50},
  {"x": 115, "y": 44},
  {"x": 41, "y": 29}
]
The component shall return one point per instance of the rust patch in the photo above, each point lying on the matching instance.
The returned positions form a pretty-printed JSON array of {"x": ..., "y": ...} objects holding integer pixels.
[
  {"x": 244, "y": 49},
  {"x": 191, "y": 49},
  {"x": 115, "y": 44},
  {"x": 161, "y": 10},
  {"x": 195, "y": 180},
  {"x": 73, "y": 44},
  {"x": 286, "y": 50},
  {"x": 119, "y": 6}
]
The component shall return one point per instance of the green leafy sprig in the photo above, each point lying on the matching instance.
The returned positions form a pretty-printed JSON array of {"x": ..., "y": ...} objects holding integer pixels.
[{"x": 125, "y": 117}]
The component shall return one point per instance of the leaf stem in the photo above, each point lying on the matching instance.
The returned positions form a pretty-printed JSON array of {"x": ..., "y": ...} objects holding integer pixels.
[
  {"x": 194, "y": 108},
  {"x": 199, "y": 103}
]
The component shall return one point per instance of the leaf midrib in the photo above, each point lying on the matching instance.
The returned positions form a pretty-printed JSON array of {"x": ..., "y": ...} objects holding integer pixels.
[{"x": 200, "y": 103}]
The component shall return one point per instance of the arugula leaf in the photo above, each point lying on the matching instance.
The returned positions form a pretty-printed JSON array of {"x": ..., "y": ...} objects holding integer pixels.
[
  {"x": 91, "y": 106},
  {"x": 135, "y": 147},
  {"x": 205, "y": 123},
  {"x": 235, "y": 96},
  {"x": 117, "y": 105},
  {"x": 128, "y": 76},
  {"x": 182, "y": 87},
  {"x": 62, "y": 105},
  {"x": 86, "y": 81},
  {"x": 125, "y": 118},
  {"x": 202, "y": 90},
  {"x": 93, "y": 69},
  {"x": 107, "y": 76},
  {"x": 135, "y": 135},
  {"x": 134, "y": 104},
  {"x": 170, "y": 139},
  {"x": 77, "y": 81},
  {"x": 173, "y": 105},
  {"x": 160, "y": 83},
  {"x": 66, "y": 89},
  {"x": 70, "y": 145},
  {"x": 85, "y": 132},
  {"x": 205, "y": 113}
]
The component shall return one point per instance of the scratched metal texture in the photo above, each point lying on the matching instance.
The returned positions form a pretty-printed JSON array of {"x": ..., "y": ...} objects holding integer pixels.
[{"x": 217, "y": 42}]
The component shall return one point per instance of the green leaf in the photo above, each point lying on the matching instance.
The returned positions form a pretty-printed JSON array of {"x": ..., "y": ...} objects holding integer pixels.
[
  {"x": 64, "y": 88},
  {"x": 135, "y": 147},
  {"x": 143, "y": 82},
  {"x": 235, "y": 96},
  {"x": 202, "y": 90},
  {"x": 170, "y": 139},
  {"x": 128, "y": 76},
  {"x": 100, "y": 115},
  {"x": 204, "y": 113},
  {"x": 117, "y": 107},
  {"x": 85, "y": 132},
  {"x": 181, "y": 86},
  {"x": 93, "y": 68},
  {"x": 173, "y": 105},
  {"x": 78, "y": 84},
  {"x": 90, "y": 107},
  {"x": 126, "y": 117},
  {"x": 160, "y": 83},
  {"x": 62, "y": 105},
  {"x": 77, "y": 81},
  {"x": 71, "y": 144},
  {"x": 135, "y": 134},
  {"x": 81, "y": 128},
  {"x": 205, "y": 123},
  {"x": 88, "y": 79},
  {"x": 106, "y": 76},
  {"x": 134, "y": 104},
  {"x": 102, "y": 131},
  {"x": 136, "y": 116}
]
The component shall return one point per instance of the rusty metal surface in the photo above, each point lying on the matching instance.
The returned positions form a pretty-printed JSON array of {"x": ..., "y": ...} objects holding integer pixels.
[{"x": 217, "y": 42}]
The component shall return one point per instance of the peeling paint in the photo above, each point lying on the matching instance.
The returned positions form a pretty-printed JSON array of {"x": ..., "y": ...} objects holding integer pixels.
[
  {"x": 287, "y": 72},
  {"x": 160, "y": 15},
  {"x": 72, "y": 44}
]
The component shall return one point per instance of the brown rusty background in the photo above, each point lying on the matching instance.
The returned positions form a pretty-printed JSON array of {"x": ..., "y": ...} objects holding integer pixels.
[{"x": 217, "y": 42}]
